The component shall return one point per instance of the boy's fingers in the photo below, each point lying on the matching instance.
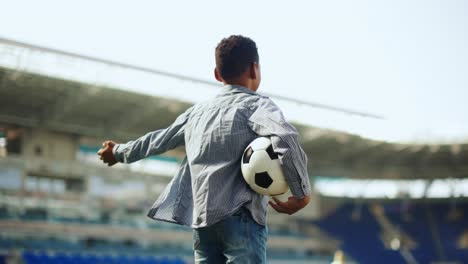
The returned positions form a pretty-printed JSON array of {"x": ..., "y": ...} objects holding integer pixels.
[
  {"x": 276, "y": 207},
  {"x": 278, "y": 201}
]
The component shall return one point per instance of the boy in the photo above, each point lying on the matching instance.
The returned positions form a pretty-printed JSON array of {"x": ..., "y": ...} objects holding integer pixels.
[{"x": 209, "y": 193}]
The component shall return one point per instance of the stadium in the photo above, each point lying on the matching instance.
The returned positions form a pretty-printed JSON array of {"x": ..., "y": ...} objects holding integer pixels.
[{"x": 373, "y": 201}]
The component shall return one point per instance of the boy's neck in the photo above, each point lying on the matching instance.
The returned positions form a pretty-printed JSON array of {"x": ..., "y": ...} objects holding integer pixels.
[{"x": 246, "y": 84}]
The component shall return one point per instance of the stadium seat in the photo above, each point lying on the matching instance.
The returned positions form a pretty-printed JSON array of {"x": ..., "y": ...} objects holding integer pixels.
[{"x": 361, "y": 238}]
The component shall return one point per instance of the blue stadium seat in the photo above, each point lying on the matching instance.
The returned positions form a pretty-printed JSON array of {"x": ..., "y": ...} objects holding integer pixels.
[
  {"x": 360, "y": 238},
  {"x": 35, "y": 258}
]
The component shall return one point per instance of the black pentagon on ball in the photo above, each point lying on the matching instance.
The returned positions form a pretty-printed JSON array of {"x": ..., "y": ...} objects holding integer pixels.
[
  {"x": 247, "y": 155},
  {"x": 263, "y": 180},
  {"x": 271, "y": 153}
]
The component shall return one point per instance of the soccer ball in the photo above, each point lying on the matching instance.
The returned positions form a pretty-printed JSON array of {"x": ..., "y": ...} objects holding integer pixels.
[{"x": 261, "y": 168}]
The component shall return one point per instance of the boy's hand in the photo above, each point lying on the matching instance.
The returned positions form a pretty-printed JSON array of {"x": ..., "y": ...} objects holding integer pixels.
[
  {"x": 291, "y": 206},
  {"x": 106, "y": 154}
]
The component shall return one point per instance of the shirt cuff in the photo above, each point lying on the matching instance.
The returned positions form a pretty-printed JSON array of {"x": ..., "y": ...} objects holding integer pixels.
[
  {"x": 117, "y": 155},
  {"x": 300, "y": 189}
]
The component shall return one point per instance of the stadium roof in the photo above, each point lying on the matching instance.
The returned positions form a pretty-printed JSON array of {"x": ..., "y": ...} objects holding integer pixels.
[{"x": 39, "y": 101}]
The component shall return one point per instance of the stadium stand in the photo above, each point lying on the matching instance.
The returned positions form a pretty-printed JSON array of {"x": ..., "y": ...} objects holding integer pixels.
[
  {"x": 434, "y": 231},
  {"x": 360, "y": 237},
  {"x": 428, "y": 224},
  {"x": 61, "y": 258}
]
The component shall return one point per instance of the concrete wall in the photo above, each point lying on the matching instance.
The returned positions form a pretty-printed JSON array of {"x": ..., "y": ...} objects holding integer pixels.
[{"x": 50, "y": 145}]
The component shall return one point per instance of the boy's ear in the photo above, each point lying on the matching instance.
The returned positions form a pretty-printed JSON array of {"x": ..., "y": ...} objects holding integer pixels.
[
  {"x": 252, "y": 71},
  {"x": 217, "y": 75}
]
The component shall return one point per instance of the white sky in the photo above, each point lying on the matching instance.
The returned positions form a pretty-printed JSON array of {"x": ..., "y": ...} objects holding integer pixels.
[{"x": 405, "y": 60}]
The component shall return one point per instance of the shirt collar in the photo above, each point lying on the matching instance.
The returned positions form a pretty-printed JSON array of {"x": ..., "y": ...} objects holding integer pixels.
[{"x": 232, "y": 88}]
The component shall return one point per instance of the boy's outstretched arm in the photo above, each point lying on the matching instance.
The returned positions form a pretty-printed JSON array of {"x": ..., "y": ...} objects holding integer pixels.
[{"x": 152, "y": 143}]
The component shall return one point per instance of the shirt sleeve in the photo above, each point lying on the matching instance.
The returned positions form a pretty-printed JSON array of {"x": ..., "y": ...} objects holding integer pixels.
[
  {"x": 153, "y": 143},
  {"x": 268, "y": 120}
]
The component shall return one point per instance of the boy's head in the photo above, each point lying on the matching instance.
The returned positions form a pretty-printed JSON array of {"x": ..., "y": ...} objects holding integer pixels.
[{"x": 237, "y": 62}]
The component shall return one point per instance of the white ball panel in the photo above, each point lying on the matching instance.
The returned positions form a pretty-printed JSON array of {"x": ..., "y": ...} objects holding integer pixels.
[
  {"x": 260, "y": 161},
  {"x": 248, "y": 174},
  {"x": 279, "y": 185},
  {"x": 260, "y": 143},
  {"x": 275, "y": 171}
]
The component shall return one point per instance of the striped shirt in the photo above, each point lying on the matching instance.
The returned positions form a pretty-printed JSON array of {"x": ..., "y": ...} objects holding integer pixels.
[{"x": 209, "y": 186}]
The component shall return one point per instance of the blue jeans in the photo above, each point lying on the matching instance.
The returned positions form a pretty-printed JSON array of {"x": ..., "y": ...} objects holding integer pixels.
[{"x": 236, "y": 239}]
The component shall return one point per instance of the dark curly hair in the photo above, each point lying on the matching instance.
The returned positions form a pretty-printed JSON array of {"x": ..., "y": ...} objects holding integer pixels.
[{"x": 234, "y": 55}]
